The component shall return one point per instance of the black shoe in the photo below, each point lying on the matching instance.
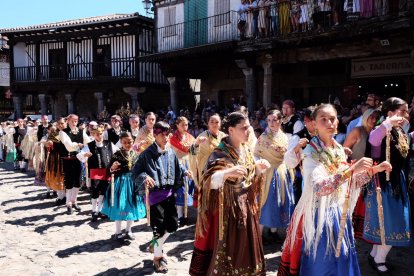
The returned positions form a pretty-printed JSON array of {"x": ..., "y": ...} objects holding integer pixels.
[
  {"x": 76, "y": 207},
  {"x": 70, "y": 210},
  {"x": 16, "y": 168},
  {"x": 60, "y": 202},
  {"x": 129, "y": 236},
  {"x": 23, "y": 170},
  {"x": 48, "y": 195},
  {"x": 54, "y": 194},
  {"x": 94, "y": 217},
  {"x": 102, "y": 216},
  {"x": 118, "y": 237}
]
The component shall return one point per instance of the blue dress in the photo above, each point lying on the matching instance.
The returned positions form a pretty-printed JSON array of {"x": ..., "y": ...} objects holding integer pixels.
[
  {"x": 326, "y": 263},
  {"x": 128, "y": 205},
  {"x": 274, "y": 214},
  {"x": 397, "y": 223}
]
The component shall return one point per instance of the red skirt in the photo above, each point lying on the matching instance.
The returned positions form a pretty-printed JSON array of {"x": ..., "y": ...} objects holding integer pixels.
[{"x": 290, "y": 261}]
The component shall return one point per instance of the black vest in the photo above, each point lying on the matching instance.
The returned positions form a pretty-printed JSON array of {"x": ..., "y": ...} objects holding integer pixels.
[
  {"x": 101, "y": 156},
  {"x": 19, "y": 134},
  {"x": 41, "y": 131},
  {"x": 112, "y": 136},
  {"x": 304, "y": 133},
  {"x": 288, "y": 127},
  {"x": 77, "y": 138}
]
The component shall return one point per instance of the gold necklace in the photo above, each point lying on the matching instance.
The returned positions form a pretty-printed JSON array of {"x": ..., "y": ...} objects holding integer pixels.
[{"x": 129, "y": 158}]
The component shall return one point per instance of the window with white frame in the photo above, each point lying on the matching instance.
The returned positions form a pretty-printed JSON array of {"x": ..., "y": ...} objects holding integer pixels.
[
  {"x": 169, "y": 22},
  {"x": 221, "y": 12}
]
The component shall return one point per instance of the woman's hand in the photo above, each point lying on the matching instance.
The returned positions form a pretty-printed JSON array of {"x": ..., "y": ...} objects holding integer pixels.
[
  {"x": 363, "y": 164},
  {"x": 237, "y": 172},
  {"x": 348, "y": 151},
  {"x": 115, "y": 166},
  {"x": 200, "y": 140},
  {"x": 301, "y": 144},
  {"x": 262, "y": 165},
  {"x": 396, "y": 120},
  {"x": 88, "y": 154},
  {"x": 384, "y": 166}
]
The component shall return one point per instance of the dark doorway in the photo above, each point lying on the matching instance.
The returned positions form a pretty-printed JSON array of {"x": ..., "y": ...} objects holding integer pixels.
[
  {"x": 57, "y": 62},
  {"x": 103, "y": 61}
]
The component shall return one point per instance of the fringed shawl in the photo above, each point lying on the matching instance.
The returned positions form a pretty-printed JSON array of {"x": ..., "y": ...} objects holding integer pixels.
[
  {"x": 318, "y": 171},
  {"x": 223, "y": 157},
  {"x": 146, "y": 135},
  {"x": 181, "y": 145},
  {"x": 198, "y": 156},
  {"x": 272, "y": 147}
]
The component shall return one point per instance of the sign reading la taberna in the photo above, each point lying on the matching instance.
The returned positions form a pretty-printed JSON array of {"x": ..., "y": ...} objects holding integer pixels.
[{"x": 382, "y": 66}]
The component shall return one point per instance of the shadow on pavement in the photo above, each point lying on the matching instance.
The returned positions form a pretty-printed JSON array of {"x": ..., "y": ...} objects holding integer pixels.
[
  {"x": 147, "y": 269},
  {"x": 28, "y": 221},
  {"x": 75, "y": 223},
  {"x": 92, "y": 247},
  {"x": 42, "y": 205}
]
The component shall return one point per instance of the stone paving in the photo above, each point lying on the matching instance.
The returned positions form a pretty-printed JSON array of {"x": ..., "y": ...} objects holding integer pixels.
[{"x": 39, "y": 238}]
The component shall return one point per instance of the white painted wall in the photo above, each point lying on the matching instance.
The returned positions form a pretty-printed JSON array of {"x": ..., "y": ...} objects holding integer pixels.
[
  {"x": 4, "y": 74},
  {"x": 171, "y": 42},
  {"x": 19, "y": 54}
]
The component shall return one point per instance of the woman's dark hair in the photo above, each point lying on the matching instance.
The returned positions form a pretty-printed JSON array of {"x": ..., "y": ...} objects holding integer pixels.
[
  {"x": 308, "y": 112},
  {"x": 180, "y": 119},
  {"x": 233, "y": 119},
  {"x": 320, "y": 107},
  {"x": 275, "y": 112},
  {"x": 212, "y": 115},
  {"x": 391, "y": 104},
  {"x": 125, "y": 134}
]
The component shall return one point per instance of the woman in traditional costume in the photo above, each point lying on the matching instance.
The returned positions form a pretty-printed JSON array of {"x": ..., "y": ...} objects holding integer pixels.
[
  {"x": 277, "y": 200},
  {"x": 181, "y": 142},
  {"x": 145, "y": 136},
  {"x": 54, "y": 167},
  {"x": 228, "y": 213},
  {"x": 39, "y": 162},
  {"x": 201, "y": 149},
  {"x": 357, "y": 141},
  {"x": 123, "y": 203},
  {"x": 389, "y": 142},
  {"x": 320, "y": 238}
]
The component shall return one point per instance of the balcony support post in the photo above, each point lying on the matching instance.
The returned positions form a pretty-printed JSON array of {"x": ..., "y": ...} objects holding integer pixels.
[
  {"x": 71, "y": 107},
  {"x": 173, "y": 94},
  {"x": 43, "y": 104},
  {"x": 267, "y": 84},
  {"x": 100, "y": 97},
  {"x": 250, "y": 81},
  {"x": 17, "y": 104}
]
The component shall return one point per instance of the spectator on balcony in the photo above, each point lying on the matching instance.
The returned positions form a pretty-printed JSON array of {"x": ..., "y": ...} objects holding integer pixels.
[
  {"x": 352, "y": 8},
  {"x": 367, "y": 8},
  {"x": 274, "y": 18},
  {"x": 284, "y": 17},
  {"x": 254, "y": 10},
  {"x": 241, "y": 25},
  {"x": 263, "y": 24},
  {"x": 322, "y": 14},
  {"x": 304, "y": 19},
  {"x": 337, "y": 10},
  {"x": 295, "y": 15}
]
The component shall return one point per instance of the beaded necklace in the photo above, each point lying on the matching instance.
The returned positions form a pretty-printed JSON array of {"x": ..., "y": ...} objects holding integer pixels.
[{"x": 130, "y": 158}]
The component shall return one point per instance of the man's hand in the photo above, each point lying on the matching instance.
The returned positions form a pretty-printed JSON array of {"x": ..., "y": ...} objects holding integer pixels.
[{"x": 149, "y": 182}]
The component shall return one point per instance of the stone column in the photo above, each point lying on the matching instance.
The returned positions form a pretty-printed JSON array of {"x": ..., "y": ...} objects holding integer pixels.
[
  {"x": 100, "y": 97},
  {"x": 43, "y": 104},
  {"x": 173, "y": 94},
  {"x": 250, "y": 79},
  {"x": 17, "y": 104},
  {"x": 71, "y": 107},
  {"x": 133, "y": 92},
  {"x": 267, "y": 84}
]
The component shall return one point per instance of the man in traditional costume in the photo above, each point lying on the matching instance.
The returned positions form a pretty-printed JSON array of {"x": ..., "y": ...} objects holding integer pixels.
[
  {"x": 158, "y": 171},
  {"x": 42, "y": 128},
  {"x": 115, "y": 131},
  {"x": 98, "y": 154},
  {"x": 291, "y": 122},
  {"x": 74, "y": 140}
]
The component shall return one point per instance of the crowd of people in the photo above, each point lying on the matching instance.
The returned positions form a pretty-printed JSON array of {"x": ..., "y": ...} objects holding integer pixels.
[
  {"x": 301, "y": 171},
  {"x": 265, "y": 18}
]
